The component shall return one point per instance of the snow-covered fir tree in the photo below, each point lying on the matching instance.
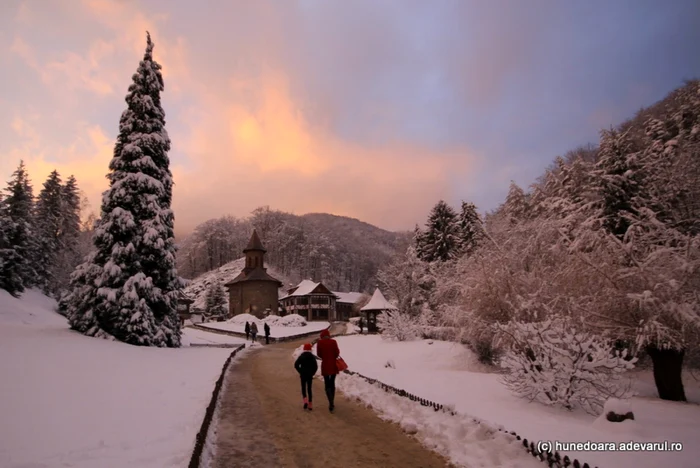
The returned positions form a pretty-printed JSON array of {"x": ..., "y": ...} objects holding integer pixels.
[
  {"x": 48, "y": 219},
  {"x": 215, "y": 299},
  {"x": 470, "y": 228},
  {"x": 128, "y": 287},
  {"x": 441, "y": 239},
  {"x": 617, "y": 181},
  {"x": 70, "y": 233},
  {"x": 516, "y": 206},
  {"x": 17, "y": 241}
]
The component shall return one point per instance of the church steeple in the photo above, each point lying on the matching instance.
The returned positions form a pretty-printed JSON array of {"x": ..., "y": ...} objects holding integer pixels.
[{"x": 254, "y": 253}]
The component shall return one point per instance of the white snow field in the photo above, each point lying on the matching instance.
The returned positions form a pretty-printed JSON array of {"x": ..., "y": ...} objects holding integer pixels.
[
  {"x": 280, "y": 327},
  {"x": 196, "y": 336},
  {"x": 450, "y": 374},
  {"x": 72, "y": 400}
]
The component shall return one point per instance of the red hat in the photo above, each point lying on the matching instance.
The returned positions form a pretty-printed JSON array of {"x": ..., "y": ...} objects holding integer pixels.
[
  {"x": 307, "y": 346},
  {"x": 325, "y": 332}
]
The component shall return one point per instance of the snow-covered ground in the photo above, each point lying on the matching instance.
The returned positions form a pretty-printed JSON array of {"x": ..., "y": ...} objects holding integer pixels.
[
  {"x": 71, "y": 400},
  {"x": 448, "y": 373},
  {"x": 195, "y": 336},
  {"x": 280, "y": 327}
]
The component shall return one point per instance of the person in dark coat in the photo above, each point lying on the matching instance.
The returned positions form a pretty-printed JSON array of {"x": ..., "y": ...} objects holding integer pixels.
[
  {"x": 247, "y": 331},
  {"x": 362, "y": 324},
  {"x": 327, "y": 349},
  {"x": 253, "y": 331},
  {"x": 307, "y": 366},
  {"x": 267, "y": 333}
]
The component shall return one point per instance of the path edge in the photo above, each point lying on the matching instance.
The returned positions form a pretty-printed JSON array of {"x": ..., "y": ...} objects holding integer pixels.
[{"x": 201, "y": 438}]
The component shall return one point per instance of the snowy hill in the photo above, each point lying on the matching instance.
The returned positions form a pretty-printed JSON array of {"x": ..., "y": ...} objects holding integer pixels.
[
  {"x": 197, "y": 288},
  {"x": 71, "y": 400}
]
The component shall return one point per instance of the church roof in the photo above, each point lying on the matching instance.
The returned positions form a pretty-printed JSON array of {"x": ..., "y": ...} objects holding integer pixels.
[
  {"x": 254, "y": 243},
  {"x": 378, "y": 302},
  {"x": 256, "y": 274}
]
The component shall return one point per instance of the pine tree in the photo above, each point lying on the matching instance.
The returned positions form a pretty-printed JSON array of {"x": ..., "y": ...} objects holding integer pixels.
[
  {"x": 441, "y": 238},
  {"x": 216, "y": 300},
  {"x": 128, "y": 286},
  {"x": 470, "y": 228},
  {"x": 617, "y": 184},
  {"x": 418, "y": 241},
  {"x": 516, "y": 206},
  {"x": 69, "y": 256},
  {"x": 17, "y": 245},
  {"x": 48, "y": 223}
]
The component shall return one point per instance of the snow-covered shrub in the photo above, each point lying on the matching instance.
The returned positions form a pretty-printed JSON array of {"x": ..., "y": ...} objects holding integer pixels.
[
  {"x": 398, "y": 325},
  {"x": 553, "y": 363},
  {"x": 291, "y": 320}
]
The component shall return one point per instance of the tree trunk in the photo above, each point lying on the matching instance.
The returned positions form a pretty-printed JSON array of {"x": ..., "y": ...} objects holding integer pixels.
[{"x": 668, "y": 366}]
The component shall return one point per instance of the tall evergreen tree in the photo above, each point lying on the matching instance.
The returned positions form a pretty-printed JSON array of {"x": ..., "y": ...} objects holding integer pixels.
[
  {"x": 470, "y": 228},
  {"x": 441, "y": 239},
  {"x": 69, "y": 256},
  {"x": 128, "y": 286},
  {"x": 516, "y": 206},
  {"x": 17, "y": 245},
  {"x": 216, "y": 300},
  {"x": 48, "y": 223},
  {"x": 617, "y": 182}
]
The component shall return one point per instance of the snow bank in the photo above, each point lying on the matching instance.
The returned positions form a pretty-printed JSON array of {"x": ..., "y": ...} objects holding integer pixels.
[
  {"x": 464, "y": 441},
  {"x": 196, "y": 336},
  {"x": 291, "y": 320},
  {"x": 275, "y": 331},
  {"x": 448, "y": 373},
  {"x": 71, "y": 400}
]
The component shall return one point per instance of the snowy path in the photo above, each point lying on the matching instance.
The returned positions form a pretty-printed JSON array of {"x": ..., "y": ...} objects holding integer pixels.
[{"x": 261, "y": 423}]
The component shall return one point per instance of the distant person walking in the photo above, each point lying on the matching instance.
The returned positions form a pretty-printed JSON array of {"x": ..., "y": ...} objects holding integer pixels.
[
  {"x": 253, "y": 331},
  {"x": 267, "y": 333},
  {"x": 247, "y": 331},
  {"x": 362, "y": 324},
  {"x": 307, "y": 366},
  {"x": 327, "y": 349}
]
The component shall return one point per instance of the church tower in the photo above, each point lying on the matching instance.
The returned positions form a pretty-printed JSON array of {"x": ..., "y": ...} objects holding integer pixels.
[{"x": 253, "y": 291}]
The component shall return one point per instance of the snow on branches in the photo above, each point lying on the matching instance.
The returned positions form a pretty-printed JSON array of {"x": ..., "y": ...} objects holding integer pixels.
[
  {"x": 398, "y": 325},
  {"x": 555, "y": 364}
]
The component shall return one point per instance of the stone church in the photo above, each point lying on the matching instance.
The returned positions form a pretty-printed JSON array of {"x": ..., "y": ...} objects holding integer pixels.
[{"x": 253, "y": 291}]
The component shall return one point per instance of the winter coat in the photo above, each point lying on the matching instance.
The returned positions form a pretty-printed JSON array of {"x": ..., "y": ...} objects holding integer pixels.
[
  {"x": 306, "y": 364},
  {"x": 254, "y": 328},
  {"x": 327, "y": 349},
  {"x": 267, "y": 330},
  {"x": 247, "y": 327}
]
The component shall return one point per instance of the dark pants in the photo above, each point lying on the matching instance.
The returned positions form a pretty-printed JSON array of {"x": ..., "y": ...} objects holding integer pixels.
[
  {"x": 247, "y": 336},
  {"x": 267, "y": 339},
  {"x": 252, "y": 337},
  {"x": 329, "y": 383},
  {"x": 306, "y": 381}
]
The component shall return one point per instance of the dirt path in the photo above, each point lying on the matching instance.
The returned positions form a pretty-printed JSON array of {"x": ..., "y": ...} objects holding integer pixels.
[{"x": 262, "y": 423}]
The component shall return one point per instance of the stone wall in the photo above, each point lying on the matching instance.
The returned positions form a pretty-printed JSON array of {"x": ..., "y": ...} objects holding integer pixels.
[{"x": 259, "y": 295}]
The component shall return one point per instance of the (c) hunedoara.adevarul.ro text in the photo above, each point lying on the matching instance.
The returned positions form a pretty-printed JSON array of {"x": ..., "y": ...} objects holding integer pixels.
[{"x": 594, "y": 446}]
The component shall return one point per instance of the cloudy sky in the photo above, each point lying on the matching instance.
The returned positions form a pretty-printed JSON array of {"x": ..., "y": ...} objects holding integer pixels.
[{"x": 373, "y": 109}]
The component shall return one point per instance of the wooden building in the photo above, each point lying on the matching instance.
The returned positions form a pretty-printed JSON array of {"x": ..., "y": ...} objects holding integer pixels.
[
  {"x": 374, "y": 307},
  {"x": 253, "y": 291},
  {"x": 311, "y": 300},
  {"x": 345, "y": 304}
]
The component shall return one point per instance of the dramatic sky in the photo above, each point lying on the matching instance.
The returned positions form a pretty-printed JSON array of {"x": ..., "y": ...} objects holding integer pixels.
[{"x": 373, "y": 109}]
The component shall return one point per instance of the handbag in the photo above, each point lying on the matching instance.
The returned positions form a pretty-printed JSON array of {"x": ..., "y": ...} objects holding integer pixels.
[{"x": 340, "y": 363}]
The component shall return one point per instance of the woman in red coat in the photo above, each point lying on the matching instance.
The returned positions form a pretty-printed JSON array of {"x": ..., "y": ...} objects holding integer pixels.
[{"x": 327, "y": 350}]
